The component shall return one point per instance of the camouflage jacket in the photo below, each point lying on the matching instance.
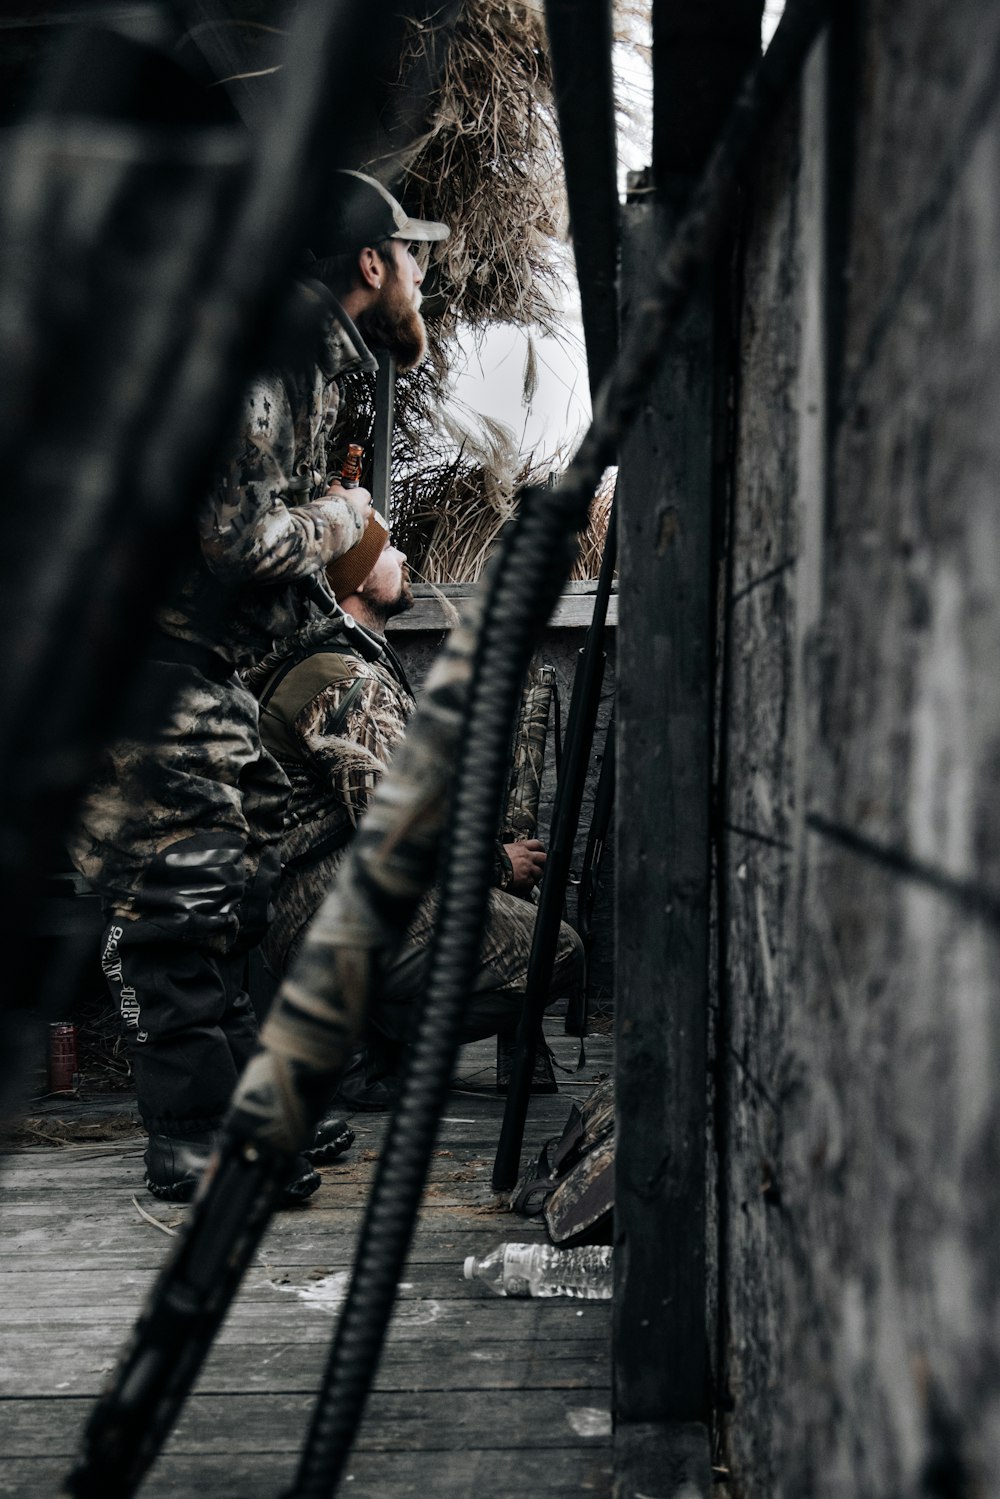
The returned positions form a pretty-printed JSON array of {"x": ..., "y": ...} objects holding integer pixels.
[
  {"x": 333, "y": 724},
  {"x": 265, "y": 526},
  {"x": 333, "y": 743}
]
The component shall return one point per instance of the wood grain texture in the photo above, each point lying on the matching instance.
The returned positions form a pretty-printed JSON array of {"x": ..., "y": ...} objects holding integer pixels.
[
  {"x": 473, "y": 1391},
  {"x": 503, "y": 1474},
  {"x": 757, "y": 930},
  {"x": 860, "y": 1260}
]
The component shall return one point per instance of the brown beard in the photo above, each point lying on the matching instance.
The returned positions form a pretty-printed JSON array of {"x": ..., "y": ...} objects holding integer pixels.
[
  {"x": 375, "y": 614},
  {"x": 404, "y": 599},
  {"x": 394, "y": 324}
]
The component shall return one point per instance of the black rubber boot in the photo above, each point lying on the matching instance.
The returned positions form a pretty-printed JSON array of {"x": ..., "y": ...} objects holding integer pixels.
[
  {"x": 174, "y": 1167},
  {"x": 332, "y": 1138}
]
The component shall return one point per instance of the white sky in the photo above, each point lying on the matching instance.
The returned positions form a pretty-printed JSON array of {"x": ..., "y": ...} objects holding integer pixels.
[{"x": 493, "y": 379}]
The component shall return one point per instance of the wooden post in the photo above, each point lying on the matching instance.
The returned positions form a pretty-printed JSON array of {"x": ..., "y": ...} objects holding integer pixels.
[
  {"x": 664, "y": 755},
  {"x": 385, "y": 416},
  {"x": 665, "y": 670}
]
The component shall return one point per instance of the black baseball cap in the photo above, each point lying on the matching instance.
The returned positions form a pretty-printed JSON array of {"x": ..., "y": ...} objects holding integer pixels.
[{"x": 364, "y": 213}]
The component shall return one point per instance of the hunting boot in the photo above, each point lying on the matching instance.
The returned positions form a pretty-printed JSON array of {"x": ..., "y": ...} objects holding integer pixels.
[
  {"x": 174, "y": 1168},
  {"x": 332, "y": 1138}
]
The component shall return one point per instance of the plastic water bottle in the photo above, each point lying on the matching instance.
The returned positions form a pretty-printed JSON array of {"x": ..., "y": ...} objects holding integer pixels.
[{"x": 540, "y": 1270}]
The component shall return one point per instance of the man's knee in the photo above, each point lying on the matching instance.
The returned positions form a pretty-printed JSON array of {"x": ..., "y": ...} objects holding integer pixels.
[{"x": 570, "y": 962}]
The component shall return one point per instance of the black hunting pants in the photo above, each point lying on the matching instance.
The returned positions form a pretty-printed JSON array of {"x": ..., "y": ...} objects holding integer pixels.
[{"x": 180, "y": 836}]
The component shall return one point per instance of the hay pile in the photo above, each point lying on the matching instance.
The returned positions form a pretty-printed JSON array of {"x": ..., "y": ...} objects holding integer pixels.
[{"x": 489, "y": 165}]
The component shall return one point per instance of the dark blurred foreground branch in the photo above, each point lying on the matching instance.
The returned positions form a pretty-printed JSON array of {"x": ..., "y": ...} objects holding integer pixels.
[{"x": 146, "y": 243}]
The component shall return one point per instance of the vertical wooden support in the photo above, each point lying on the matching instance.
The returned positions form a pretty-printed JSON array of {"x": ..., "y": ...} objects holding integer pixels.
[
  {"x": 664, "y": 758},
  {"x": 661, "y": 1370},
  {"x": 813, "y": 413},
  {"x": 385, "y": 416}
]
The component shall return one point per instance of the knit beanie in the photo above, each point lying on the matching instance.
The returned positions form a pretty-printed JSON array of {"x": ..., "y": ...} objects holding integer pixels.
[{"x": 347, "y": 573}]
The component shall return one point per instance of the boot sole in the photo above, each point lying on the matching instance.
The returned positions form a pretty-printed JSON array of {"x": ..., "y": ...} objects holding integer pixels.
[
  {"x": 172, "y": 1192},
  {"x": 322, "y": 1155},
  {"x": 301, "y": 1190}
]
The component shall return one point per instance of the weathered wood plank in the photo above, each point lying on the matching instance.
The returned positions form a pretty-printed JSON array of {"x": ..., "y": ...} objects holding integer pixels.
[
  {"x": 264, "y": 1283},
  {"x": 511, "y": 1474},
  {"x": 274, "y": 1422},
  {"x": 36, "y": 1365},
  {"x": 253, "y": 1319},
  {"x": 572, "y": 612},
  {"x": 76, "y": 1260},
  {"x": 110, "y": 1250},
  {"x": 863, "y": 1261}
]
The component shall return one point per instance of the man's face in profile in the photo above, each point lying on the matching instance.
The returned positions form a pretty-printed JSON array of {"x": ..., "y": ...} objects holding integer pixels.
[{"x": 394, "y": 322}]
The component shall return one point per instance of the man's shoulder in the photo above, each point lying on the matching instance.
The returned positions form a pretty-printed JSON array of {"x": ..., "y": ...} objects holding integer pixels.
[
  {"x": 265, "y": 409},
  {"x": 327, "y": 669},
  {"x": 321, "y": 670},
  {"x": 304, "y": 696}
]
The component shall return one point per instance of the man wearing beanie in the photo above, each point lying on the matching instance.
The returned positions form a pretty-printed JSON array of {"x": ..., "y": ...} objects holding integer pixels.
[
  {"x": 180, "y": 832},
  {"x": 333, "y": 719}
]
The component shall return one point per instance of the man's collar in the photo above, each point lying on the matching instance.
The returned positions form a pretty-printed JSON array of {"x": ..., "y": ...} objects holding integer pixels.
[{"x": 345, "y": 350}]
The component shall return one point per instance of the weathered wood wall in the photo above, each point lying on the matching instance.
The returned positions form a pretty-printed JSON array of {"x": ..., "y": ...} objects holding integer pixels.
[{"x": 859, "y": 975}]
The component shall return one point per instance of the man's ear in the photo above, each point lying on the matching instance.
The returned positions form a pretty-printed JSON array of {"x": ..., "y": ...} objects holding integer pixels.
[{"x": 370, "y": 266}]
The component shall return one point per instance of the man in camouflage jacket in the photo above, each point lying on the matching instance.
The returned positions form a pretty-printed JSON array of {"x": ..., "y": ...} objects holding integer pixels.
[
  {"x": 180, "y": 831},
  {"x": 333, "y": 719}
]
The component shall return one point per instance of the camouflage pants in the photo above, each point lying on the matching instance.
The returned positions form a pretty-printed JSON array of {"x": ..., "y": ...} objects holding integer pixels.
[
  {"x": 179, "y": 834},
  {"x": 497, "y": 994}
]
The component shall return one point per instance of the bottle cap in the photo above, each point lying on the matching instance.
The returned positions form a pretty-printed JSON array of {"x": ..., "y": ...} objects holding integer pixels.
[{"x": 470, "y": 1267}]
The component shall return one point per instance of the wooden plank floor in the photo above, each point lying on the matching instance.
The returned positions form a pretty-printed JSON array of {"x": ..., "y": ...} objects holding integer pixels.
[{"x": 475, "y": 1395}]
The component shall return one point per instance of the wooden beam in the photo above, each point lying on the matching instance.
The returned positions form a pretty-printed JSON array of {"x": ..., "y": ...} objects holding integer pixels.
[
  {"x": 701, "y": 52},
  {"x": 669, "y": 1461},
  {"x": 434, "y": 607},
  {"x": 664, "y": 767}
]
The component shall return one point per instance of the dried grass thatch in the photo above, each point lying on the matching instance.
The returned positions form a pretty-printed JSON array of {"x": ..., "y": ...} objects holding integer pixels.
[
  {"x": 453, "y": 520},
  {"x": 489, "y": 165},
  {"x": 588, "y": 563}
]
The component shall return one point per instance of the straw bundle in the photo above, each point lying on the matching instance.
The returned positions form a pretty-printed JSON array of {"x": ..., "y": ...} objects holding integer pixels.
[{"x": 489, "y": 165}]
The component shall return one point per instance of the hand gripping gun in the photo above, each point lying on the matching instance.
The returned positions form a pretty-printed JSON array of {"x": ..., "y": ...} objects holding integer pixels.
[{"x": 317, "y": 588}]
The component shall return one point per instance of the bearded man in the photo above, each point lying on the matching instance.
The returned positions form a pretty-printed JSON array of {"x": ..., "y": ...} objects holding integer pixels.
[
  {"x": 180, "y": 832},
  {"x": 333, "y": 718}
]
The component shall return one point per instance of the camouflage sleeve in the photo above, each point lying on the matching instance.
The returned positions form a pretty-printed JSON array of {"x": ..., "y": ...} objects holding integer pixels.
[
  {"x": 248, "y": 533},
  {"x": 352, "y": 761},
  {"x": 503, "y": 869}
]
